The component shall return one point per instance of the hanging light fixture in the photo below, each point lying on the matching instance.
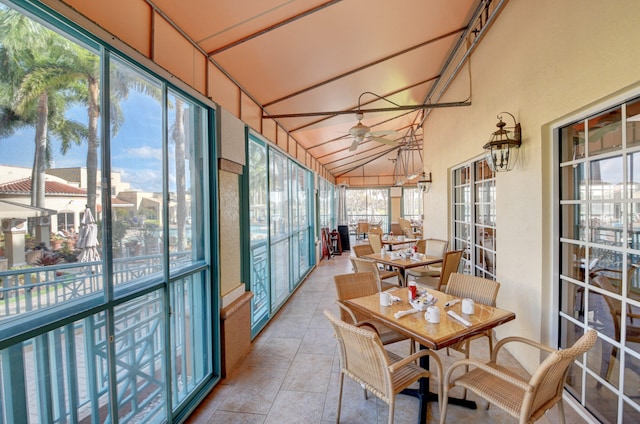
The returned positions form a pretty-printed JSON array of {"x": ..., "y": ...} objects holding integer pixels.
[
  {"x": 502, "y": 148},
  {"x": 424, "y": 183}
]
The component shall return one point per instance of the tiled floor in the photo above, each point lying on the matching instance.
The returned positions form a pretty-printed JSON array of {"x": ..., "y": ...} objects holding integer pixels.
[{"x": 291, "y": 375}]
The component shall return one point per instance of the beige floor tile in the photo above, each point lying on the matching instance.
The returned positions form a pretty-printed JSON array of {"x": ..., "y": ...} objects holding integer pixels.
[{"x": 291, "y": 374}]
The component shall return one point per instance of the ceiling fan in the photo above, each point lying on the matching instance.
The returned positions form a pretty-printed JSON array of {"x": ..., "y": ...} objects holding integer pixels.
[{"x": 361, "y": 132}]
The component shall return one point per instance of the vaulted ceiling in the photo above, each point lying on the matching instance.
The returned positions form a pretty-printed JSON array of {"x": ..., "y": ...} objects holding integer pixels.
[{"x": 314, "y": 57}]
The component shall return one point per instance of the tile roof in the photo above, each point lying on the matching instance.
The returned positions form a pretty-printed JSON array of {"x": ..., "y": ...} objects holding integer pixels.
[{"x": 23, "y": 186}]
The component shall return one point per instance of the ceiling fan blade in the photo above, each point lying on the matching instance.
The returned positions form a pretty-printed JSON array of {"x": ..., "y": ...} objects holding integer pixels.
[
  {"x": 383, "y": 140},
  {"x": 354, "y": 146},
  {"x": 383, "y": 132}
]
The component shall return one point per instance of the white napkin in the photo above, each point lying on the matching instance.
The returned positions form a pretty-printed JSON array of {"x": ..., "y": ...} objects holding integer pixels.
[
  {"x": 400, "y": 314},
  {"x": 458, "y": 318}
]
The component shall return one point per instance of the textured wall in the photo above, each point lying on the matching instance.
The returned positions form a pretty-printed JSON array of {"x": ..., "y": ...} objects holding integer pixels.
[{"x": 229, "y": 196}]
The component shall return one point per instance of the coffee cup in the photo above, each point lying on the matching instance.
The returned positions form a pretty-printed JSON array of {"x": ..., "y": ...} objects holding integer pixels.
[
  {"x": 468, "y": 306},
  {"x": 385, "y": 299},
  {"x": 432, "y": 315}
]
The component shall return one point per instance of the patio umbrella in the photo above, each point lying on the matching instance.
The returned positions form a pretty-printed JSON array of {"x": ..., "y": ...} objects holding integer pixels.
[{"x": 88, "y": 238}]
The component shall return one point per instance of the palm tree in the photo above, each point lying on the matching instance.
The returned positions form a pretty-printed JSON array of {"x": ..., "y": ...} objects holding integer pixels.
[
  {"x": 177, "y": 134},
  {"x": 36, "y": 76}
]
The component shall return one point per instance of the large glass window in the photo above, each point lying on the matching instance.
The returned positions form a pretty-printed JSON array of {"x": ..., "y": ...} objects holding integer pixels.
[
  {"x": 102, "y": 250},
  {"x": 280, "y": 252},
  {"x": 412, "y": 205},
  {"x": 599, "y": 254},
  {"x": 371, "y": 205}
]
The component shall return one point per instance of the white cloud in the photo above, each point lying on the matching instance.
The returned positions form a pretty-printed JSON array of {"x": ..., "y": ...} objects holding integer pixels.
[{"x": 145, "y": 152}]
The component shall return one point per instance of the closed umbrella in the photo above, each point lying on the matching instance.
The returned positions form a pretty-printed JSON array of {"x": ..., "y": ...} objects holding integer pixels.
[{"x": 88, "y": 238}]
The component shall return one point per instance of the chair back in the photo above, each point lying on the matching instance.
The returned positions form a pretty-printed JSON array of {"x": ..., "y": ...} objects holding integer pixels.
[
  {"x": 363, "y": 358},
  {"x": 479, "y": 289},
  {"x": 405, "y": 225},
  {"x": 375, "y": 230},
  {"x": 435, "y": 247},
  {"x": 367, "y": 265},
  {"x": 450, "y": 265},
  {"x": 421, "y": 246},
  {"x": 350, "y": 286},
  {"x": 362, "y": 228},
  {"x": 548, "y": 380},
  {"x": 362, "y": 249},
  {"x": 376, "y": 241}
]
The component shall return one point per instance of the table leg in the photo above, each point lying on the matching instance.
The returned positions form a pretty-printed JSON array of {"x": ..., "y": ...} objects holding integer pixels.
[{"x": 425, "y": 396}]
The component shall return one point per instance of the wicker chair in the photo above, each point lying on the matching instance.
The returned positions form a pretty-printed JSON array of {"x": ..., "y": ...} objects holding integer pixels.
[
  {"x": 406, "y": 227},
  {"x": 360, "y": 250},
  {"x": 430, "y": 247},
  {"x": 440, "y": 278},
  {"x": 368, "y": 265},
  {"x": 375, "y": 240},
  {"x": 362, "y": 229},
  {"x": 350, "y": 286},
  {"x": 527, "y": 400},
  {"x": 481, "y": 290},
  {"x": 383, "y": 373}
]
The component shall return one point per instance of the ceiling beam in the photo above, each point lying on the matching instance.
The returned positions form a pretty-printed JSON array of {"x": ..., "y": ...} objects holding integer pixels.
[
  {"x": 272, "y": 27},
  {"x": 376, "y": 109}
]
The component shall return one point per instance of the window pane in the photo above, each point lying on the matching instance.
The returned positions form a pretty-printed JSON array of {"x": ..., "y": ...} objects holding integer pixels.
[
  {"x": 278, "y": 194},
  {"x": 190, "y": 347},
  {"x": 257, "y": 191},
  {"x": 605, "y": 133},
  {"x": 606, "y": 178},
  {"x": 140, "y": 358},
  {"x": 572, "y": 142},
  {"x": 633, "y": 123},
  {"x": 574, "y": 221},
  {"x": 573, "y": 184},
  {"x": 606, "y": 223},
  {"x": 186, "y": 134},
  {"x": 136, "y": 162}
]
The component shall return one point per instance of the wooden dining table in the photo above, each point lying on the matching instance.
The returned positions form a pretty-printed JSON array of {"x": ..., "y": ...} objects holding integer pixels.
[
  {"x": 431, "y": 336},
  {"x": 401, "y": 263},
  {"x": 390, "y": 242}
]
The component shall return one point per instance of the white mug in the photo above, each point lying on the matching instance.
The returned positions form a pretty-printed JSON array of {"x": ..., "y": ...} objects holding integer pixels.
[
  {"x": 468, "y": 306},
  {"x": 432, "y": 315},
  {"x": 385, "y": 299}
]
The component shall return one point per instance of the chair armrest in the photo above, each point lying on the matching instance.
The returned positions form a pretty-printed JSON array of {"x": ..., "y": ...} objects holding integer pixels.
[
  {"x": 489, "y": 370},
  {"x": 411, "y": 358},
  {"x": 344, "y": 307},
  {"x": 368, "y": 324},
  {"x": 501, "y": 343}
]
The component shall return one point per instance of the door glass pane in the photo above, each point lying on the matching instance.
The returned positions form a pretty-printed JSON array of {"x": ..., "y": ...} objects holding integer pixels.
[
  {"x": 572, "y": 145},
  {"x": 605, "y": 132},
  {"x": 606, "y": 178},
  {"x": 633, "y": 123}
]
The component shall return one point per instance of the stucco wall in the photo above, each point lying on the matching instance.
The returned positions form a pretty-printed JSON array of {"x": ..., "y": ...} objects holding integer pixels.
[{"x": 541, "y": 61}]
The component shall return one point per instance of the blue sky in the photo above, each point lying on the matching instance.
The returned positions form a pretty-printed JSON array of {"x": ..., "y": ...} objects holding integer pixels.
[{"x": 136, "y": 148}]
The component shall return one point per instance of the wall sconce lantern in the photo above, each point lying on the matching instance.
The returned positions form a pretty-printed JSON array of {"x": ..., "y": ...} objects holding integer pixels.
[
  {"x": 424, "y": 183},
  {"x": 502, "y": 148}
]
